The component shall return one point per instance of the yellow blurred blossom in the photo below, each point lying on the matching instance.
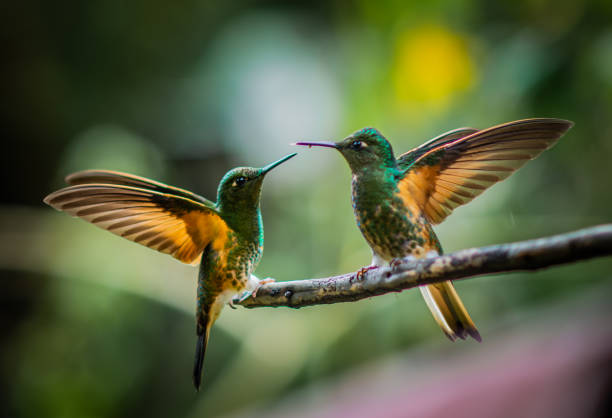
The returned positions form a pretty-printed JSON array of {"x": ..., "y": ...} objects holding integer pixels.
[{"x": 431, "y": 65}]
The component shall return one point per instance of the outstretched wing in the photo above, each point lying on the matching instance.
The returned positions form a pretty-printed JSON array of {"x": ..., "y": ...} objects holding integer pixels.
[
  {"x": 124, "y": 179},
  {"x": 405, "y": 160},
  {"x": 165, "y": 222},
  {"x": 439, "y": 178}
]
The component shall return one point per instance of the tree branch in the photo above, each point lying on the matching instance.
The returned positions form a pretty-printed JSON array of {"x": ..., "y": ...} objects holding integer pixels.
[{"x": 526, "y": 255}]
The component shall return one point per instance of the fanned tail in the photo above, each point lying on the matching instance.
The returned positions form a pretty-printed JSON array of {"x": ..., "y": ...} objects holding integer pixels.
[{"x": 449, "y": 312}]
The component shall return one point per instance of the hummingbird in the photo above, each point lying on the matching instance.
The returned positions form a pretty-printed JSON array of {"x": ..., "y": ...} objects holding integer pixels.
[
  {"x": 225, "y": 238},
  {"x": 396, "y": 200}
]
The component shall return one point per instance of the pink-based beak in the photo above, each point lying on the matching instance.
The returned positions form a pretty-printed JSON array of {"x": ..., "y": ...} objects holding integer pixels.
[{"x": 316, "y": 144}]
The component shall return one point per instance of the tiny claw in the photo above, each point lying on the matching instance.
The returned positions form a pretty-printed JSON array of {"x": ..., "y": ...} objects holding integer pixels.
[
  {"x": 231, "y": 304},
  {"x": 395, "y": 263},
  {"x": 261, "y": 283},
  {"x": 363, "y": 270},
  {"x": 245, "y": 295}
]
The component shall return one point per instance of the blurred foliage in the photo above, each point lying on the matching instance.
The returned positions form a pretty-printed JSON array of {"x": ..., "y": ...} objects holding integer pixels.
[{"x": 95, "y": 326}]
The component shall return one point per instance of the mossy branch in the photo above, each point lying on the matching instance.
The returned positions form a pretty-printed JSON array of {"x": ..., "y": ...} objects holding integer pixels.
[{"x": 534, "y": 254}]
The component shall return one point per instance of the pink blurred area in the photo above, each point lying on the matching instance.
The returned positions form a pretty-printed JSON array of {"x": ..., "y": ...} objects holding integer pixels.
[{"x": 559, "y": 369}]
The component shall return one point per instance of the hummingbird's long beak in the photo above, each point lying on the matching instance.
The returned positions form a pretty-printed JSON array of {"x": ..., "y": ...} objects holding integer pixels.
[
  {"x": 317, "y": 144},
  {"x": 277, "y": 163}
]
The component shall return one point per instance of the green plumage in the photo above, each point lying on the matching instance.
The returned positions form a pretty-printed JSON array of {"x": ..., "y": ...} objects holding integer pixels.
[
  {"x": 226, "y": 238},
  {"x": 396, "y": 200}
]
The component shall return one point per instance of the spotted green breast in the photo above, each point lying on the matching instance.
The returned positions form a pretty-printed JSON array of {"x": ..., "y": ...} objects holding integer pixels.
[{"x": 391, "y": 228}]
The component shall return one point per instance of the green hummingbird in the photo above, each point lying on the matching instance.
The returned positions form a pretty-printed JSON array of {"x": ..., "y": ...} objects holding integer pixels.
[
  {"x": 225, "y": 238},
  {"x": 397, "y": 200}
]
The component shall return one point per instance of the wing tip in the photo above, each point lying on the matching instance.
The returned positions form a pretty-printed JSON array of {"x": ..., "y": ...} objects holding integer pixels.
[
  {"x": 565, "y": 124},
  {"x": 568, "y": 124},
  {"x": 47, "y": 199},
  {"x": 561, "y": 128},
  {"x": 51, "y": 197}
]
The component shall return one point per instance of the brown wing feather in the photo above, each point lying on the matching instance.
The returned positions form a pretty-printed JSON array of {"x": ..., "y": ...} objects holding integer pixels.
[
  {"x": 164, "y": 222},
  {"x": 444, "y": 177},
  {"x": 125, "y": 179},
  {"x": 405, "y": 160}
]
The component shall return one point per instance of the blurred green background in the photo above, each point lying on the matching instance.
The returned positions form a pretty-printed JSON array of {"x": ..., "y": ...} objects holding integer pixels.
[{"x": 96, "y": 326}]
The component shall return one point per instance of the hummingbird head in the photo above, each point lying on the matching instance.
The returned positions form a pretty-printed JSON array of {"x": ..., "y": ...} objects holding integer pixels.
[
  {"x": 366, "y": 148},
  {"x": 241, "y": 187}
]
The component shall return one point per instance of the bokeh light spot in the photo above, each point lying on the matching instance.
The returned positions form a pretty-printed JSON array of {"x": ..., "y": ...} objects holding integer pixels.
[{"x": 431, "y": 65}]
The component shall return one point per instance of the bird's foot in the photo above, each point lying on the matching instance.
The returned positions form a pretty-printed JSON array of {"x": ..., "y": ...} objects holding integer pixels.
[
  {"x": 261, "y": 283},
  {"x": 395, "y": 263},
  {"x": 254, "y": 284},
  {"x": 245, "y": 295},
  {"x": 362, "y": 271},
  {"x": 231, "y": 303}
]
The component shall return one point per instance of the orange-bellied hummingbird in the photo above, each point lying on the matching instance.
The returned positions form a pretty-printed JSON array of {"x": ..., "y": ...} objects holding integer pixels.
[
  {"x": 397, "y": 200},
  {"x": 226, "y": 237}
]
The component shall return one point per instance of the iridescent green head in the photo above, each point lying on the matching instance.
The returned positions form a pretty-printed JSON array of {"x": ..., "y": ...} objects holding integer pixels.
[
  {"x": 240, "y": 188},
  {"x": 366, "y": 148}
]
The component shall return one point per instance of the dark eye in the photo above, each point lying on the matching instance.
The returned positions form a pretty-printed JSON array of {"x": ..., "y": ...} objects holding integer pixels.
[
  {"x": 356, "y": 145},
  {"x": 240, "y": 181}
]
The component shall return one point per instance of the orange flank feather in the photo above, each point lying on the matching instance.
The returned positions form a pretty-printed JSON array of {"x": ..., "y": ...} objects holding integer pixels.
[
  {"x": 415, "y": 187},
  {"x": 442, "y": 175},
  {"x": 168, "y": 223}
]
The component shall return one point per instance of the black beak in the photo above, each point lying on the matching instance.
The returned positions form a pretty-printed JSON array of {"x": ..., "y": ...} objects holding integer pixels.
[{"x": 277, "y": 163}]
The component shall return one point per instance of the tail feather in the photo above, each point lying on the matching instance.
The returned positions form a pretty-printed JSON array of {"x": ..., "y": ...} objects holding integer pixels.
[
  {"x": 203, "y": 332},
  {"x": 449, "y": 312}
]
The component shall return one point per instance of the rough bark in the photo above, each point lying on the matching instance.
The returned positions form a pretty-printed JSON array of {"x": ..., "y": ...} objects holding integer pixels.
[{"x": 534, "y": 254}]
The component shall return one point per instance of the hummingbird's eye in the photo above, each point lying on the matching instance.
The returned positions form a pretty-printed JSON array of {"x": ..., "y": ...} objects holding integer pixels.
[
  {"x": 239, "y": 181},
  {"x": 357, "y": 145}
]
